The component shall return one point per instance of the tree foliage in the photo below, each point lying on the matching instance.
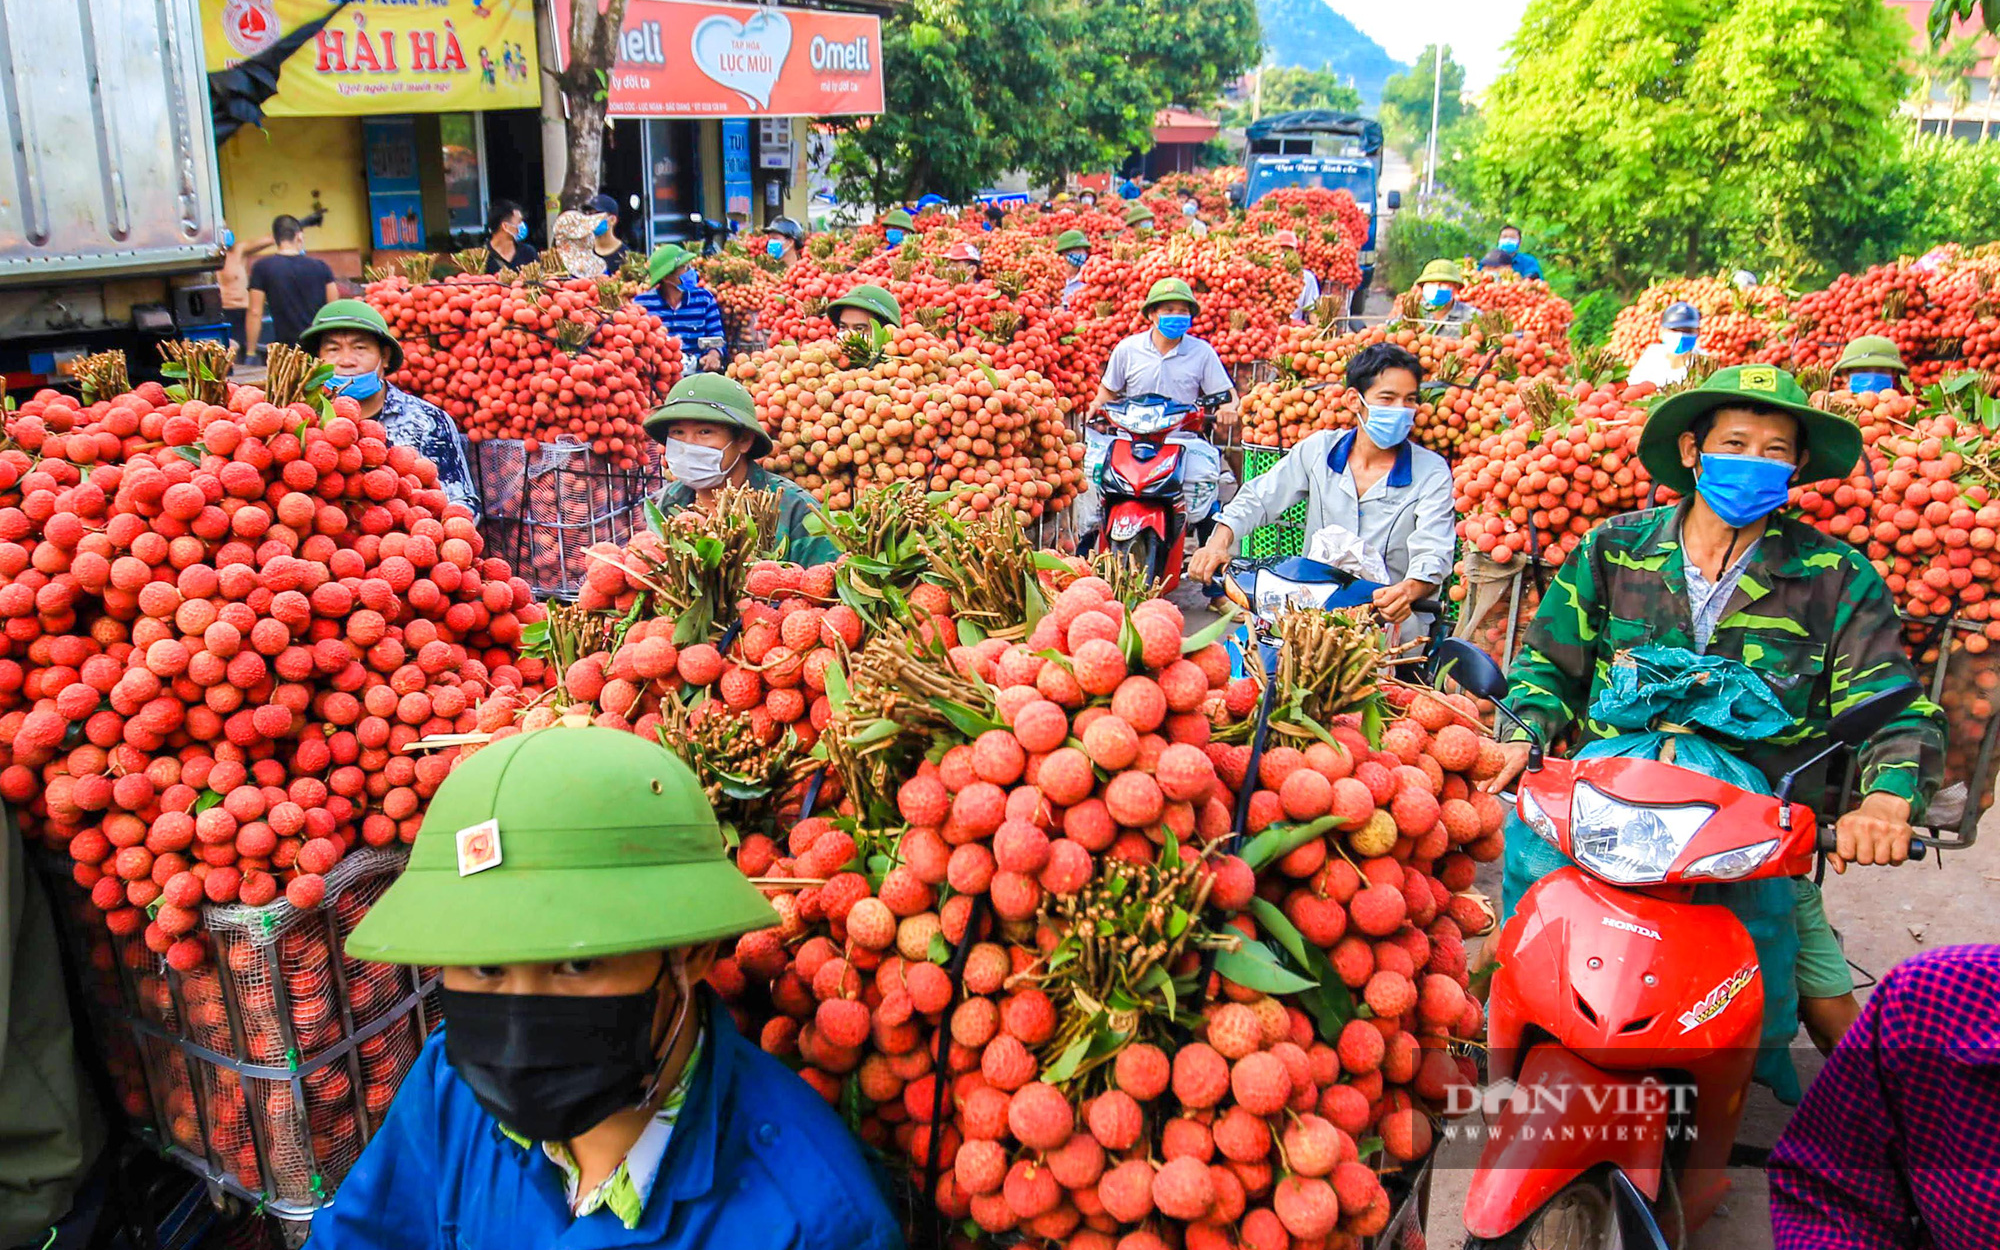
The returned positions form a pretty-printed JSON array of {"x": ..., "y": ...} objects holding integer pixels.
[
  {"x": 593, "y": 44},
  {"x": 1406, "y": 100},
  {"x": 1660, "y": 137},
  {"x": 976, "y": 89}
]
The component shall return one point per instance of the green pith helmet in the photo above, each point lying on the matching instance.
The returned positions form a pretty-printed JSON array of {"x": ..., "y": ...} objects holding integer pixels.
[
  {"x": 897, "y": 219},
  {"x": 1874, "y": 352},
  {"x": 563, "y": 843},
  {"x": 713, "y": 398},
  {"x": 1168, "y": 289},
  {"x": 872, "y": 300},
  {"x": 1442, "y": 270},
  {"x": 1833, "y": 443},
  {"x": 352, "y": 314},
  {"x": 1070, "y": 240},
  {"x": 666, "y": 258},
  {"x": 1138, "y": 213}
]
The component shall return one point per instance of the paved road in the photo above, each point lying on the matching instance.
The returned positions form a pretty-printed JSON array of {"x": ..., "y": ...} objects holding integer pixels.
[{"x": 1883, "y": 915}]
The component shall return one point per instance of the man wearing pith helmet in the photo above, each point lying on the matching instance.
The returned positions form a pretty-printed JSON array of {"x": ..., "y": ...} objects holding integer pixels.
[
  {"x": 865, "y": 309},
  {"x": 1872, "y": 362},
  {"x": 585, "y": 1089},
  {"x": 711, "y": 438}
]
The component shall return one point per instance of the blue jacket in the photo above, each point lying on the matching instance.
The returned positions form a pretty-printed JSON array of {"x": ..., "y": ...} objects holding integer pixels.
[
  {"x": 1527, "y": 266},
  {"x": 757, "y": 1161}
]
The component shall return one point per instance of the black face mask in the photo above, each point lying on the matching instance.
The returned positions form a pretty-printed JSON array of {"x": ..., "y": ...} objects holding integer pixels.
[{"x": 550, "y": 1066}]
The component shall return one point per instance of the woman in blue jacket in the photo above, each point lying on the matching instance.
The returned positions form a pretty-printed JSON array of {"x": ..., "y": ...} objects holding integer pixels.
[{"x": 585, "y": 1091}]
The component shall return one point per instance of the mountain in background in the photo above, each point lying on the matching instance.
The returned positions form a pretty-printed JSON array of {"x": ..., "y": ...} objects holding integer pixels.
[{"x": 1310, "y": 35}]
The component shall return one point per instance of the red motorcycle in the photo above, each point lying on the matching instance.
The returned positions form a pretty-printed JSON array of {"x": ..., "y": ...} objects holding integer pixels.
[
  {"x": 1143, "y": 481},
  {"x": 1624, "y": 1018}
]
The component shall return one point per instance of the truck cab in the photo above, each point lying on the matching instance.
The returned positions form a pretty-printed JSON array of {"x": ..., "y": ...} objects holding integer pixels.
[{"x": 1321, "y": 148}]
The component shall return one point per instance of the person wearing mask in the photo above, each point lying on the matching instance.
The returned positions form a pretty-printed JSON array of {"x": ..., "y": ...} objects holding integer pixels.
[
  {"x": 1288, "y": 244},
  {"x": 1371, "y": 481},
  {"x": 1437, "y": 290},
  {"x": 896, "y": 226},
  {"x": 1725, "y": 573},
  {"x": 233, "y": 281},
  {"x": 1130, "y": 189},
  {"x": 963, "y": 253},
  {"x": 1165, "y": 359},
  {"x": 1870, "y": 363},
  {"x": 587, "y": 1088},
  {"x": 1087, "y": 199},
  {"x": 864, "y": 309},
  {"x": 605, "y": 240},
  {"x": 1191, "y": 209},
  {"x": 689, "y": 310},
  {"x": 1666, "y": 361},
  {"x": 1524, "y": 265},
  {"x": 1893, "y": 1148},
  {"x": 1139, "y": 219},
  {"x": 782, "y": 240},
  {"x": 507, "y": 245},
  {"x": 290, "y": 284},
  {"x": 351, "y": 335},
  {"x": 573, "y": 238},
  {"x": 1075, "y": 248},
  {"x": 709, "y": 430}
]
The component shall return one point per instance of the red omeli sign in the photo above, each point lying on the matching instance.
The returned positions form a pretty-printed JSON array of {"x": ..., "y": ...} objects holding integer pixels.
[{"x": 686, "y": 58}]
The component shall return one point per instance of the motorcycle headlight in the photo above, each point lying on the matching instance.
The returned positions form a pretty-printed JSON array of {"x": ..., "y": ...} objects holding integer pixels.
[
  {"x": 1538, "y": 820},
  {"x": 1630, "y": 843},
  {"x": 1730, "y": 865},
  {"x": 1145, "y": 419}
]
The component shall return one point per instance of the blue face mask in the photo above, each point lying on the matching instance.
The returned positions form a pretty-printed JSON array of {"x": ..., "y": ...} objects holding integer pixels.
[
  {"x": 1388, "y": 427},
  {"x": 774, "y": 248},
  {"x": 355, "y": 385},
  {"x": 1076, "y": 259},
  {"x": 1868, "y": 383},
  {"x": 690, "y": 280},
  {"x": 603, "y": 228},
  {"x": 893, "y": 235},
  {"x": 228, "y": 237},
  {"x": 986, "y": 226},
  {"x": 1438, "y": 296},
  {"x": 1679, "y": 342},
  {"x": 1510, "y": 246},
  {"x": 521, "y": 231},
  {"x": 1174, "y": 326},
  {"x": 1743, "y": 489}
]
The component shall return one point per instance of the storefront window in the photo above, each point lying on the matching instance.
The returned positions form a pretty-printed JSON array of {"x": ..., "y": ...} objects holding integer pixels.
[
  {"x": 673, "y": 161},
  {"x": 464, "y": 172}
]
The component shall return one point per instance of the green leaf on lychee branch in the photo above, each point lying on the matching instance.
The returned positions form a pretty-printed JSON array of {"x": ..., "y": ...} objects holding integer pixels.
[
  {"x": 964, "y": 719},
  {"x": 1254, "y": 966},
  {"x": 1328, "y": 1002},
  {"x": 1278, "y": 841},
  {"x": 1210, "y": 633},
  {"x": 939, "y": 951}
]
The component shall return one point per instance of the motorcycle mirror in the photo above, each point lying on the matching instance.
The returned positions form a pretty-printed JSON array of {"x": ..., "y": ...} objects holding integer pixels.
[
  {"x": 1862, "y": 721},
  {"x": 1472, "y": 668}
]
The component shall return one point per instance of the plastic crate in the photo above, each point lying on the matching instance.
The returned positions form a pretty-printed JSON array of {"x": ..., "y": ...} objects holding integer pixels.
[
  {"x": 266, "y": 1071},
  {"x": 1285, "y": 536},
  {"x": 546, "y": 508}
]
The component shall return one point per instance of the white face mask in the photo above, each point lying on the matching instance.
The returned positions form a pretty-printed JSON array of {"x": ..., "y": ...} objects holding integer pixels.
[{"x": 699, "y": 467}]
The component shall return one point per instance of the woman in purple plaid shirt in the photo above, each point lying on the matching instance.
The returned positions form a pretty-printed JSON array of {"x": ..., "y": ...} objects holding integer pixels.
[{"x": 1897, "y": 1143}]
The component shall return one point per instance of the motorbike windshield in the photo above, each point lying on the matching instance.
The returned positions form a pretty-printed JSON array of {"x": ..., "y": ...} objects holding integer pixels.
[{"x": 1146, "y": 419}]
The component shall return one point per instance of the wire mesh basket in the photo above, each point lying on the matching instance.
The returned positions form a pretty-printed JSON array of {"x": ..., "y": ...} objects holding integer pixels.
[
  {"x": 267, "y": 1070},
  {"x": 1285, "y": 536},
  {"x": 546, "y": 507}
]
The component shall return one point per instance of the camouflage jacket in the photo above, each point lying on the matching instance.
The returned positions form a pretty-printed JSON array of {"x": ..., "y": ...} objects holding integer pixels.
[
  {"x": 795, "y": 542},
  {"x": 1810, "y": 615}
]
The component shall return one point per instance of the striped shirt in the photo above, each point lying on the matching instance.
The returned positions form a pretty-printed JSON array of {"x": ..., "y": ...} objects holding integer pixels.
[{"x": 698, "y": 317}]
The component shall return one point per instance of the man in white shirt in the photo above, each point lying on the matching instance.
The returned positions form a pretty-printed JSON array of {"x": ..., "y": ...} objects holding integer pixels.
[
  {"x": 1666, "y": 362},
  {"x": 1288, "y": 241},
  {"x": 1372, "y": 481}
]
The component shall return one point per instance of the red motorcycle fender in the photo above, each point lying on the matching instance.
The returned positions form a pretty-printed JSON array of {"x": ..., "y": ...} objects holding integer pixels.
[
  {"x": 1139, "y": 515},
  {"x": 1564, "y": 1117}
]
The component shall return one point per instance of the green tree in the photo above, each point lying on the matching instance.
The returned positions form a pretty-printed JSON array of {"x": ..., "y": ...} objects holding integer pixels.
[
  {"x": 1660, "y": 137},
  {"x": 975, "y": 88},
  {"x": 1948, "y": 64},
  {"x": 1406, "y": 101}
]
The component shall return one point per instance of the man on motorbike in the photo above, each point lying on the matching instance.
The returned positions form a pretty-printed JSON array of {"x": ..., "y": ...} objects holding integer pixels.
[
  {"x": 1872, "y": 362},
  {"x": 1444, "y": 313},
  {"x": 1372, "y": 481},
  {"x": 864, "y": 309},
  {"x": 1075, "y": 248},
  {"x": 1722, "y": 573}
]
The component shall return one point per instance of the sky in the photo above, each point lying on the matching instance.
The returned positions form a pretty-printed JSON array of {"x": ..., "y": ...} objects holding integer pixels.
[{"x": 1476, "y": 31}]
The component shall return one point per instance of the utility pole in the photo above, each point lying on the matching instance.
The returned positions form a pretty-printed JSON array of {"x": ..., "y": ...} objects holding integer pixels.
[
  {"x": 1437, "y": 92},
  {"x": 1257, "y": 94}
]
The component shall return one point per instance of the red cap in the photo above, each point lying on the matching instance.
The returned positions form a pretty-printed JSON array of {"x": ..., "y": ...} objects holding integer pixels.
[
  {"x": 962, "y": 251},
  {"x": 1286, "y": 238}
]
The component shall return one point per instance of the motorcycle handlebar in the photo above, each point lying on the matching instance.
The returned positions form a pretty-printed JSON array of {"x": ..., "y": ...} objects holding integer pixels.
[
  {"x": 1829, "y": 841},
  {"x": 1430, "y": 607}
]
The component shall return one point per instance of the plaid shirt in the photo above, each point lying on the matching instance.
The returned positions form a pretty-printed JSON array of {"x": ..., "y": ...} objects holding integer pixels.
[
  {"x": 1895, "y": 1144},
  {"x": 418, "y": 423}
]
